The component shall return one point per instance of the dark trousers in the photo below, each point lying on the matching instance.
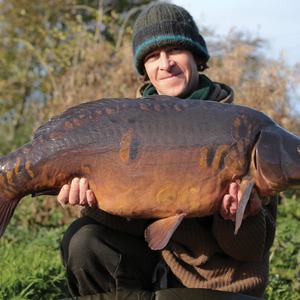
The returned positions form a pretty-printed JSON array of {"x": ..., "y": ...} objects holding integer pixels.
[{"x": 99, "y": 259}]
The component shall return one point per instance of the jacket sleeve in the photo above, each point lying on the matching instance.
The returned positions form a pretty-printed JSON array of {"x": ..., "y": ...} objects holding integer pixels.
[{"x": 255, "y": 236}]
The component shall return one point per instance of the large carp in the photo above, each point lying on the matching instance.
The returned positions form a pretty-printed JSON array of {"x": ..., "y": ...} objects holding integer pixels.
[{"x": 156, "y": 157}]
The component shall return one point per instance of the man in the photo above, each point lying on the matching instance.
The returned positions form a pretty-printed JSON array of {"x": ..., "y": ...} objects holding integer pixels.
[{"x": 104, "y": 253}]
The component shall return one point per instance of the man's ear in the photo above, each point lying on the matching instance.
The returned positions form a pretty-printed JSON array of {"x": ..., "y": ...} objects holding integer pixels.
[
  {"x": 145, "y": 77},
  {"x": 201, "y": 65}
]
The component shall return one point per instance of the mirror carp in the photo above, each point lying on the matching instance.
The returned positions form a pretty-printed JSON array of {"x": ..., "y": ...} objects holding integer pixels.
[{"x": 156, "y": 157}]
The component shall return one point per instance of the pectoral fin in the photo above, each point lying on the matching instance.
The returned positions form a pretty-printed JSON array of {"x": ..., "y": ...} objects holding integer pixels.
[
  {"x": 246, "y": 187},
  {"x": 159, "y": 232}
]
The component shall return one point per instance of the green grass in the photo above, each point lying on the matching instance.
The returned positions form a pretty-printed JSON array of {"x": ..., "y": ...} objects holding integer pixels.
[
  {"x": 30, "y": 266},
  {"x": 284, "y": 281}
]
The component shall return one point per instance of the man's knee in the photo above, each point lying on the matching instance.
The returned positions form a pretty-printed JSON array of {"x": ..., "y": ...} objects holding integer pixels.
[{"x": 78, "y": 240}]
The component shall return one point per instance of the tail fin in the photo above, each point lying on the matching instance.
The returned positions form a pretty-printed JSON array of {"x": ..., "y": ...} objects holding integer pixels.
[{"x": 7, "y": 208}]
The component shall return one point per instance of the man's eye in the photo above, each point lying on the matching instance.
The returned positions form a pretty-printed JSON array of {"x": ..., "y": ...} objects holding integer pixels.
[
  {"x": 175, "y": 50},
  {"x": 151, "y": 56}
]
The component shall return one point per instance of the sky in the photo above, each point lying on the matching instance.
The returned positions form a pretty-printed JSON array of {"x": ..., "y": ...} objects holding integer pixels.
[{"x": 278, "y": 22}]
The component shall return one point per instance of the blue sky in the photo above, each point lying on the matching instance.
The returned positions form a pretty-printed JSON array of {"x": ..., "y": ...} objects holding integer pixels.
[{"x": 278, "y": 22}]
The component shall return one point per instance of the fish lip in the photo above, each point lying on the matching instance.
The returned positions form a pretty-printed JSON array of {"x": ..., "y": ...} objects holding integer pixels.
[{"x": 298, "y": 149}]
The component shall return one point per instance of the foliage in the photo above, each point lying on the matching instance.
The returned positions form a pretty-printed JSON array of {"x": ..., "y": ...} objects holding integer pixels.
[
  {"x": 42, "y": 41},
  {"x": 258, "y": 82},
  {"x": 285, "y": 254},
  {"x": 30, "y": 266}
]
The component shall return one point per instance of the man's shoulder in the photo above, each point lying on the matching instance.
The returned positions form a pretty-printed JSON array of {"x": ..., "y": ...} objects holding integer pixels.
[{"x": 222, "y": 93}]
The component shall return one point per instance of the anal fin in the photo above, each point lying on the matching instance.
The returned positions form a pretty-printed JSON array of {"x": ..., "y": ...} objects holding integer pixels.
[{"x": 159, "y": 232}]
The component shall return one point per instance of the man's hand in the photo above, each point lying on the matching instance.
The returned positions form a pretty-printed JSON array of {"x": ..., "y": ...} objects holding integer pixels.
[
  {"x": 77, "y": 192},
  {"x": 231, "y": 200}
]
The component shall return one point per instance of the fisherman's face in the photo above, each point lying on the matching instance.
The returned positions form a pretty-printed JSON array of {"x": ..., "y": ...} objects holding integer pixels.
[{"x": 173, "y": 71}]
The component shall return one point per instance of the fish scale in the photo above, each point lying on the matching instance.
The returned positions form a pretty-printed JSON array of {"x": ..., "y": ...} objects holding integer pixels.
[{"x": 157, "y": 157}]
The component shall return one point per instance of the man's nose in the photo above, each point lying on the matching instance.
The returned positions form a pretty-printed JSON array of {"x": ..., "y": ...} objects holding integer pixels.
[{"x": 165, "y": 61}]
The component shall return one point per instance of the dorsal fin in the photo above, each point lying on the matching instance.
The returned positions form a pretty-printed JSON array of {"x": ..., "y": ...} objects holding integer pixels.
[{"x": 77, "y": 110}]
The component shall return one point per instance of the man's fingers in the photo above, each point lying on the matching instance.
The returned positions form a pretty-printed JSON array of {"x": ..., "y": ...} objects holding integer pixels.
[
  {"x": 224, "y": 210},
  {"x": 63, "y": 196},
  {"x": 230, "y": 202},
  {"x": 233, "y": 189},
  {"x": 74, "y": 192},
  {"x": 77, "y": 192},
  {"x": 91, "y": 199},
  {"x": 83, "y": 187}
]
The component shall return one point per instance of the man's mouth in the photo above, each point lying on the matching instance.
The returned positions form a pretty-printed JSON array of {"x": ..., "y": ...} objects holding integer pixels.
[{"x": 170, "y": 76}]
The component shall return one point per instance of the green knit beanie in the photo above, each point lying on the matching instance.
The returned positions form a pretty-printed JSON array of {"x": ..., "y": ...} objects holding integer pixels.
[{"x": 163, "y": 24}]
